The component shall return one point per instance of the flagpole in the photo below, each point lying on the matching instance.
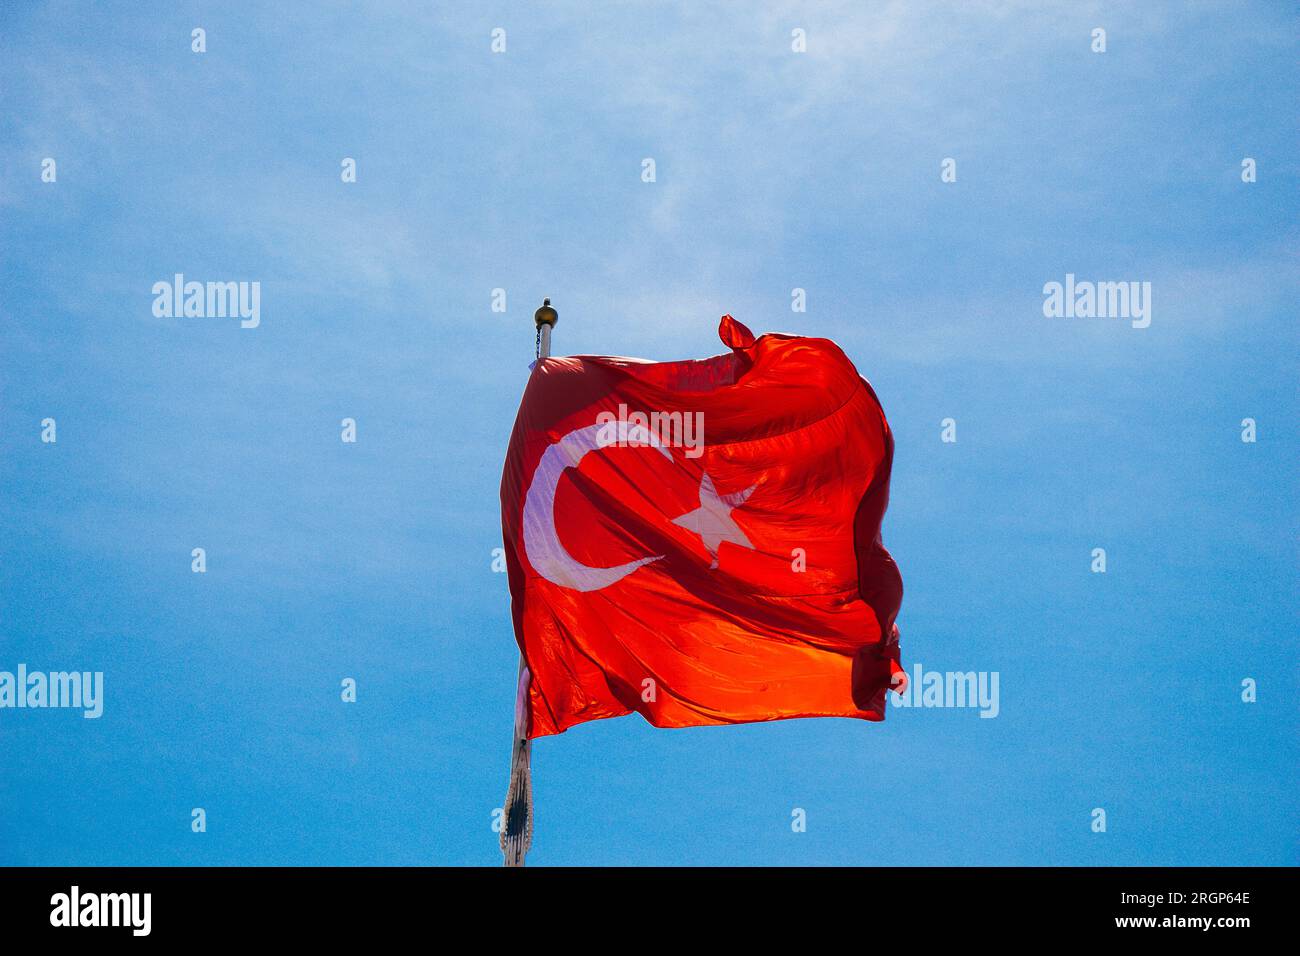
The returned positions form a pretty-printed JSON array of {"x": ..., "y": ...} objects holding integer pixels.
[{"x": 517, "y": 825}]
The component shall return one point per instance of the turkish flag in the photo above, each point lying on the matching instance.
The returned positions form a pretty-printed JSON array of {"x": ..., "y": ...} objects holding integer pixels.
[{"x": 699, "y": 541}]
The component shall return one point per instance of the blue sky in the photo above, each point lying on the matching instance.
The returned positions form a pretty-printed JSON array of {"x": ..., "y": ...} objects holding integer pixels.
[{"x": 522, "y": 171}]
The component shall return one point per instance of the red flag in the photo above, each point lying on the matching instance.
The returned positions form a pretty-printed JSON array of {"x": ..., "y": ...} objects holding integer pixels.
[{"x": 699, "y": 541}]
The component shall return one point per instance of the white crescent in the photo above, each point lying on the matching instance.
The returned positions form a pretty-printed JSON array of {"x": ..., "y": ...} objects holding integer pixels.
[{"x": 541, "y": 543}]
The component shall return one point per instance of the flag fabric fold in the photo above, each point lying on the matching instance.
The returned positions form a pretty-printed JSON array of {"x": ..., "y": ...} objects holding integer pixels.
[{"x": 699, "y": 541}]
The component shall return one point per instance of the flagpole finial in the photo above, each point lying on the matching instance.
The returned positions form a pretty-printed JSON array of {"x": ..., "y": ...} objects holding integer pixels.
[{"x": 546, "y": 315}]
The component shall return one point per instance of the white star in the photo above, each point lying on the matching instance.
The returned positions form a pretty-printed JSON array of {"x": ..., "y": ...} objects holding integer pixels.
[{"x": 712, "y": 519}]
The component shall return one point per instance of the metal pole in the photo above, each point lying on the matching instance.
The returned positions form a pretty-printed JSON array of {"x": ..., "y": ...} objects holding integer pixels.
[{"x": 517, "y": 827}]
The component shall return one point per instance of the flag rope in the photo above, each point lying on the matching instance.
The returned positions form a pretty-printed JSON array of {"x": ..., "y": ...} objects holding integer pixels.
[{"x": 517, "y": 825}]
